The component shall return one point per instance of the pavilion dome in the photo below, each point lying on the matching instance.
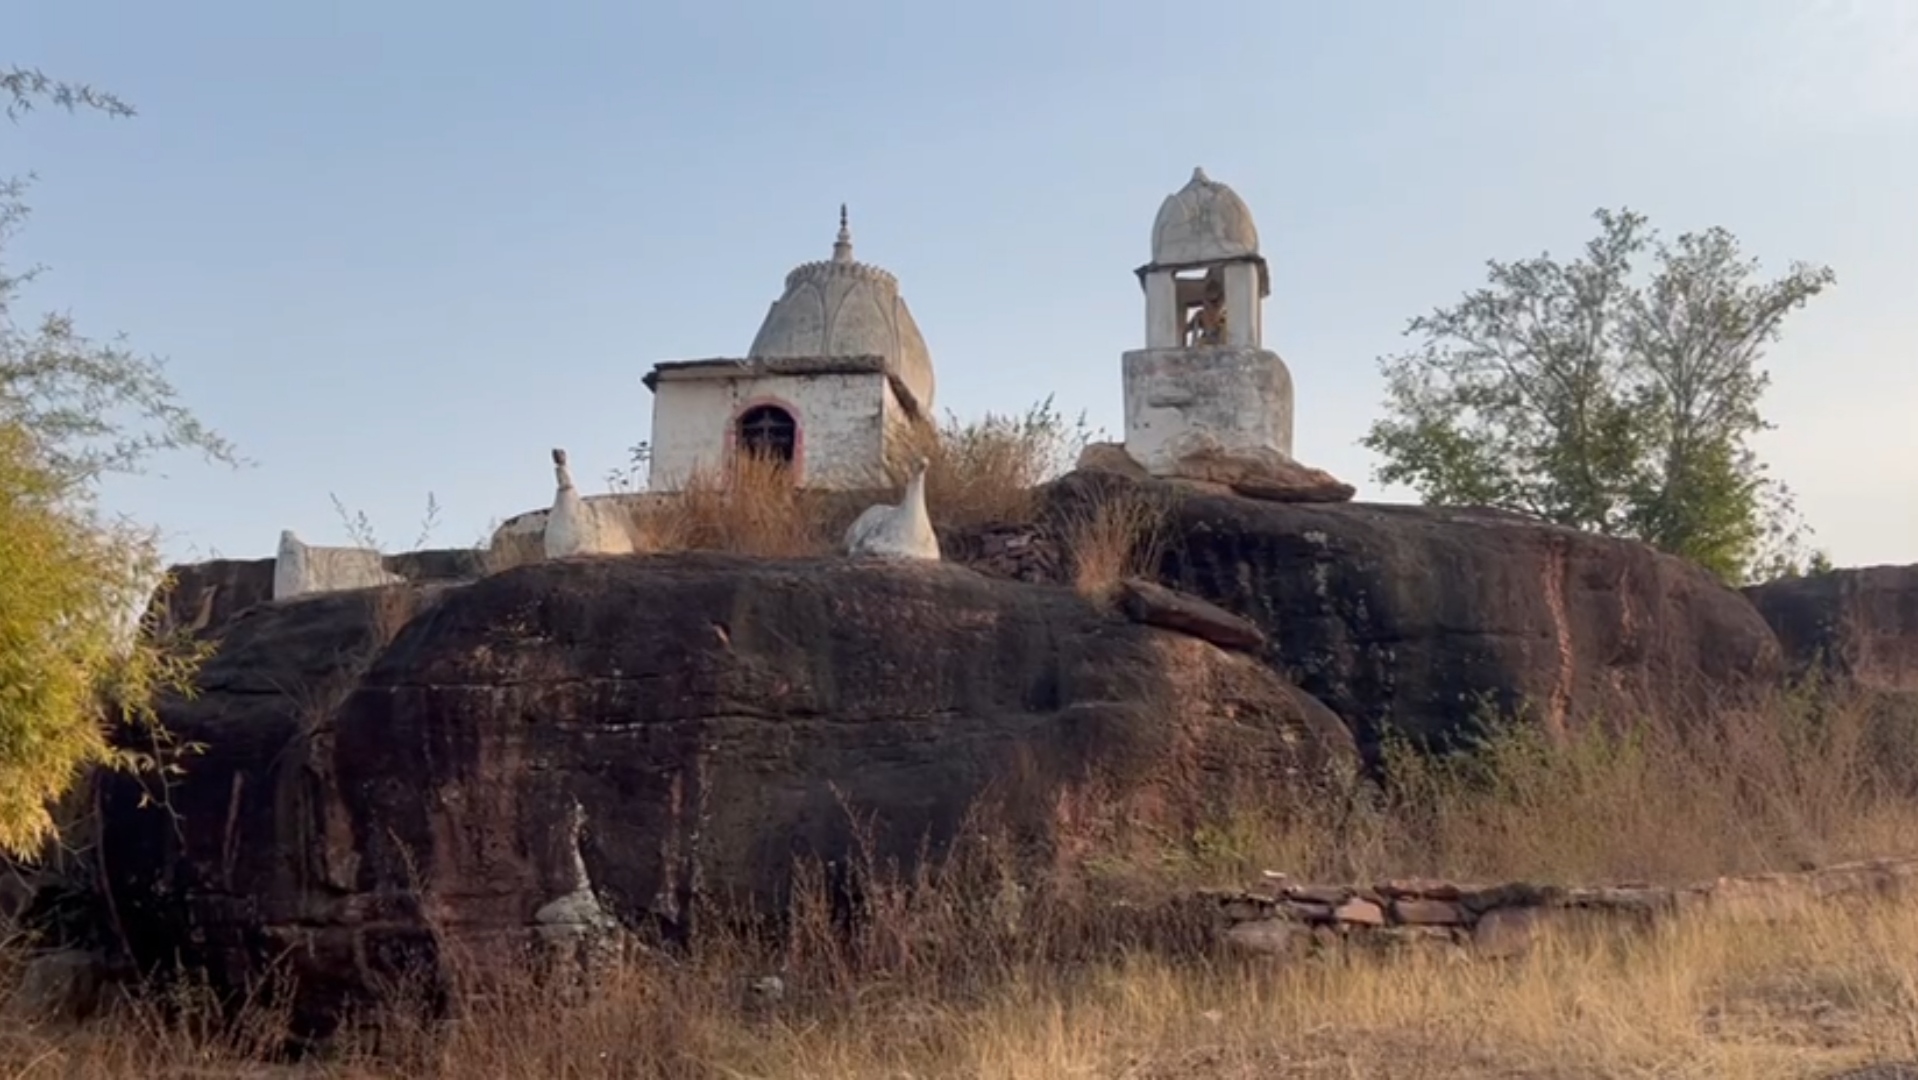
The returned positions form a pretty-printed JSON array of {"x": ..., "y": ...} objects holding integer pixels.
[
  {"x": 843, "y": 308},
  {"x": 1205, "y": 221}
]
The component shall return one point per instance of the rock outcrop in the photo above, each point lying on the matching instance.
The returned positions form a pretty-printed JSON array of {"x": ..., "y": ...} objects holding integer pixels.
[
  {"x": 203, "y": 598},
  {"x": 538, "y": 754},
  {"x": 1415, "y": 619},
  {"x": 394, "y": 769},
  {"x": 1859, "y": 625}
]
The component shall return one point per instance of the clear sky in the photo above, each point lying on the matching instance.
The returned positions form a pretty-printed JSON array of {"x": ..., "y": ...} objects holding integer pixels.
[{"x": 408, "y": 246}]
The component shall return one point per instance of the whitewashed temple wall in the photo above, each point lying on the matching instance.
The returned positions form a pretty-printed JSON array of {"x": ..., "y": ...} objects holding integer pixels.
[{"x": 842, "y": 422}]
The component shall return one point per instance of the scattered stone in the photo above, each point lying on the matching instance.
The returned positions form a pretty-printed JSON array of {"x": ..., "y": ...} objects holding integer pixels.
[
  {"x": 1420, "y": 889},
  {"x": 1331, "y": 895},
  {"x": 1360, "y": 912},
  {"x": 1155, "y": 605},
  {"x": 1411, "y": 911}
]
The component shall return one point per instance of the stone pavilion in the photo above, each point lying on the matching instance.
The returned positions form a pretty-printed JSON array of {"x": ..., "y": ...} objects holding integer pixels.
[{"x": 1205, "y": 385}]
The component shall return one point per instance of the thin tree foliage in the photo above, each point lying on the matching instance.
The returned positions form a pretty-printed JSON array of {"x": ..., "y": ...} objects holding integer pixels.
[
  {"x": 74, "y": 668},
  {"x": 1594, "y": 395}
]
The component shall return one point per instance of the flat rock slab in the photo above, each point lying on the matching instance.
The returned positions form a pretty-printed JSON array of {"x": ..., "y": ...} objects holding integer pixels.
[{"x": 1169, "y": 609}]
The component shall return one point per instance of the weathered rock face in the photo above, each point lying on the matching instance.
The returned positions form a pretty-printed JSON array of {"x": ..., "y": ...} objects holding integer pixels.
[
  {"x": 207, "y": 596},
  {"x": 663, "y": 725},
  {"x": 1408, "y": 618},
  {"x": 1862, "y": 624}
]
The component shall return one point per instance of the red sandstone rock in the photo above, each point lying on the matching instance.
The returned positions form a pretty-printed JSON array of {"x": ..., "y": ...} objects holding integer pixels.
[
  {"x": 1415, "y": 912},
  {"x": 1155, "y": 605},
  {"x": 1401, "y": 618},
  {"x": 1329, "y": 895},
  {"x": 708, "y": 719},
  {"x": 1420, "y": 888},
  {"x": 1360, "y": 912}
]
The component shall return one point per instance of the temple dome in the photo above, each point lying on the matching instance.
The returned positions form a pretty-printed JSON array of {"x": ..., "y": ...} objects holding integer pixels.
[
  {"x": 1205, "y": 221},
  {"x": 844, "y": 308}
]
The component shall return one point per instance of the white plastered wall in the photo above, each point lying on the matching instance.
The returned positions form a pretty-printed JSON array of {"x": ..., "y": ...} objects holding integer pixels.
[{"x": 842, "y": 422}]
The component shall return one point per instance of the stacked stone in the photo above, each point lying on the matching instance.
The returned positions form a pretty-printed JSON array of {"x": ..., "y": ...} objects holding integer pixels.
[
  {"x": 1014, "y": 552},
  {"x": 1503, "y": 920}
]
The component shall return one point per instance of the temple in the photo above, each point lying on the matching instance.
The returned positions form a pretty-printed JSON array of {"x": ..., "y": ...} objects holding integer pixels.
[{"x": 837, "y": 371}]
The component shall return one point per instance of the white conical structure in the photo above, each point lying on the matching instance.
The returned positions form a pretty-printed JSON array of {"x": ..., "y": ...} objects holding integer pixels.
[
  {"x": 575, "y": 527},
  {"x": 897, "y": 532}
]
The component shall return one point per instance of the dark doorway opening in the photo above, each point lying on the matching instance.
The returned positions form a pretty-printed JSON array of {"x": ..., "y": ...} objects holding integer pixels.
[{"x": 768, "y": 431}]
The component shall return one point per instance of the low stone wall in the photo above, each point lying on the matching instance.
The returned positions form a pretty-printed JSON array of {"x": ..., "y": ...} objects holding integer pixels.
[
  {"x": 1284, "y": 918},
  {"x": 1014, "y": 552}
]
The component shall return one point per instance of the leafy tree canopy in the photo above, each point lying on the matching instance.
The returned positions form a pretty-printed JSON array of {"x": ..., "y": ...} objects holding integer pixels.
[
  {"x": 72, "y": 578},
  {"x": 1595, "y": 396}
]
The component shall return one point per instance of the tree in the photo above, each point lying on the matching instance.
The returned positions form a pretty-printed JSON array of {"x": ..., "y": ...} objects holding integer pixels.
[
  {"x": 1577, "y": 393},
  {"x": 72, "y": 578}
]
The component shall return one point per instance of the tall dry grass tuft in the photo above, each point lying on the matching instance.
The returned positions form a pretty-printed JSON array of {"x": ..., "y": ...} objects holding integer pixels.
[
  {"x": 1812, "y": 777},
  {"x": 749, "y": 506},
  {"x": 987, "y": 471},
  {"x": 1111, "y": 534}
]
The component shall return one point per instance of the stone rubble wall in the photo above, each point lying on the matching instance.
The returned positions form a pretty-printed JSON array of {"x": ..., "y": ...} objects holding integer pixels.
[
  {"x": 1014, "y": 552},
  {"x": 1284, "y": 918}
]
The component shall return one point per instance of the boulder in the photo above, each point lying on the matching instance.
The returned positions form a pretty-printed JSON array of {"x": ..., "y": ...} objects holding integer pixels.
[
  {"x": 1265, "y": 474},
  {"x": 1417, "y": 619},
  {"x": 394, "y": 772},
  {"x": 1859, "y": 625},
  {"x": 1256, "y": 474},
  {"x": 1156, "y": 605}
]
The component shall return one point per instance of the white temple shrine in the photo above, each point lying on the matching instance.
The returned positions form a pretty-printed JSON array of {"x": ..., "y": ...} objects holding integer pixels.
[
  {"x": 837, "y": 371},
  {"x": 1204, "y": 382}
]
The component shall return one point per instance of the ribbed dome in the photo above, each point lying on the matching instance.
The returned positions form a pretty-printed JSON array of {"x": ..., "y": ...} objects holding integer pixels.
[
  {"x": 1203, "y": 222},
  {"x": 845, "y": 308}
]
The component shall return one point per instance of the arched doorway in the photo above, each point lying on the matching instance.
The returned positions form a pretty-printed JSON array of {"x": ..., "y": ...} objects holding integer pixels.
[{"x": 769, "y": 432}]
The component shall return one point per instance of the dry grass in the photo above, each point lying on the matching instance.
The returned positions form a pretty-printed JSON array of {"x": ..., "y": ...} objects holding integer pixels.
[
  {"x": 750, "y": 506},
  {"x": 1812, "y": 778},
  {"x": 1801, "y": 997},
  {"x": 976, "y": 965},
  {"x": 1110, "y": 536},
  {"x": 988, "y": 471}
]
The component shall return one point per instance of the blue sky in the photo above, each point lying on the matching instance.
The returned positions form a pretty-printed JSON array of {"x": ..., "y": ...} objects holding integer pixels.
[{"x": 399, "y": 248}]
